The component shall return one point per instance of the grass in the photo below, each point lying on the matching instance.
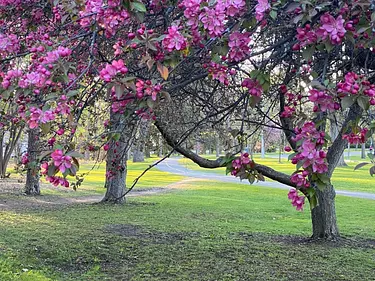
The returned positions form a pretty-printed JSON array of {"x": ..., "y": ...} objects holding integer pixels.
[
  {"x": 94, "y": 181},
  {"x": 201, "y": 230},
  {"x": 344, "y": 178}
]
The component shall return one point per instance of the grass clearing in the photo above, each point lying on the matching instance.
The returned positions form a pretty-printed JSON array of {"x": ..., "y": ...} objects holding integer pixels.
[
  {"x": 344, "y": 178},
  {"x": 201, "y": 231}
]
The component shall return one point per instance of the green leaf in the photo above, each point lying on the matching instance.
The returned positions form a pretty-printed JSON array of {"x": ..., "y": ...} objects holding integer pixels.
[
  {"x": 292, "y": 155},
  {"x": 347, "y": 102},
  {"x": 360, "y": 165},
  {"x": 138, "y": 6},
  {"x": 46, "y": 127},
  {"x": 363, "y": 102},
  {"x": 254, "y": 73},
  {"x": 116, "y": 136},
  {"x": 273, "y": 14},
  {"x": 329, "y": 47},
  {"x": 323, "y": 178},
  {"x": 75, "y": 154},
  {"x": 321, "y": 185},
  {"x": 313, "y": 201},
  {"x": 308, "y": 52}
]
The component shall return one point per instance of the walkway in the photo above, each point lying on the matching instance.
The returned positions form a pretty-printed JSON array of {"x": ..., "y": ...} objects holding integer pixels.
[{"x": 172, "y": 165}]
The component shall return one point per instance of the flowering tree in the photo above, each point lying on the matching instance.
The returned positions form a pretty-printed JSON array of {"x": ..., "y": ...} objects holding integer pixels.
[{"x": 59, "y": 58}]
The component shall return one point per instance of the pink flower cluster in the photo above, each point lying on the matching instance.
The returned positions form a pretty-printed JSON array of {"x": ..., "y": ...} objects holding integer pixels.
[
  {"x": 255, "y": 89},
  {"x": 310, "y": 154},
  {"x": 111, "y": 70},
  {"x": 9, "y": 44},
  {"x": 291, "y": 101},
  {"x": 213, "y": 16},
  {"x": 174, "y": 40},
  {"x": 219, "y": 72},
  {"x": 119, "y": 103},
  {"x": 234, "y": 7},
  {"x": 40, "y": 76},
  {"x": 56, "y": 180},
  {"x": 146, "y": 88},
  {"x": 296, "y": 200},
  {"x": 39, "y": 116},
  {"x": 61, "y": 161},
  {"x": 261, "y": 9},
  {"x": 356, "y": 138},
  {"x": 239, "y": 46},
  {"x": 355, "y": 84},
  {"x": 305, "y": 36},
  {"x": 25, "y": 159},
  {"x": 213, "y": 19},
  {"x": 110, "y": 17},
  {"x": 331, "y": 28},
  {"x": 191, "y": 11},
  {"x": 322, "y": 101},
  {"x": 239, "y": 162}
]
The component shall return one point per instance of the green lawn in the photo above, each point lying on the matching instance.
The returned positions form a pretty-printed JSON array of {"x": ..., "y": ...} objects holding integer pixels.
[
  {"x": 344, "y": 178},
  {"x": 199, "y": 231},
  {"x": 94, "y": 181}
]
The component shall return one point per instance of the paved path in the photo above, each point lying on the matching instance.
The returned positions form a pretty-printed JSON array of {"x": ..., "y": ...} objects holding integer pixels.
[{"x": 172, "y": 165}]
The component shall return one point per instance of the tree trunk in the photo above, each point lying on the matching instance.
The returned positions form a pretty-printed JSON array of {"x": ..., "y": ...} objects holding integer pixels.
[
  {"x": 116, "y": 160},
  {"x": 160, "y": 153},
  {"x": 323, "y": 216},
  {"x": 217, "y": 142},
  {"x": 262, "y": 147},
  {"x": 32, "y": 186},
  {"x": 138, "y": 153},
  {"x": 8, "y": 141},
  {"x": 334, "y": 131},
  {"x": 363, "y": 151}
]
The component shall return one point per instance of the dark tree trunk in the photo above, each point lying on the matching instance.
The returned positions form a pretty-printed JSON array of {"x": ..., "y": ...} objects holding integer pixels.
[
  {"x": 363, "y": 151},
  {"x": 32, "y": 186},
  {"x": 323, "y": 216},
  {"x": 116, "y": 160},
  {"x": 139, "y": 147},
  {"x": 334, "y": 131},
  {"x": 217, "y": 143},
  {"x": 161, "y": 144},
  {"x": 8, "y": 142}
]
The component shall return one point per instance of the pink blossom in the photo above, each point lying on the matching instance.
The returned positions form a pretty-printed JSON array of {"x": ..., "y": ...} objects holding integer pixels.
[
  {"x": 213, "y": 20},
  {"x": 332, "y": 28},
  {"x": 61, "y": 161},
  {"x": 245, "y": 158},
  {"x": 239, "y": 46},
  {"x": 356, "y": 138},
  {"x": 322, "y": 101},
  {"x": 174, "y": 40},
  {"x": 306, "y": 36},
  {"x": 234, "y": 7},
  {"x": 106, "y": 147},
  {"x": 296, "y": 200},
  {"x": 255, "y": 89},
  {"x": 236, "y": 164},
  {"x": 261, "y": 8},
  {"x": 25, "y": 159}
]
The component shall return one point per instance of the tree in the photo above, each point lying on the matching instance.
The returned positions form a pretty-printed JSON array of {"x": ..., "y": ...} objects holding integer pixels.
[{"x": 286, "y": 64}]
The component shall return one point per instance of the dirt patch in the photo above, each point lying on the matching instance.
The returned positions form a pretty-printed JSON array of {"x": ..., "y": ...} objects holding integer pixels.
[{"x": 151, "y": 236}]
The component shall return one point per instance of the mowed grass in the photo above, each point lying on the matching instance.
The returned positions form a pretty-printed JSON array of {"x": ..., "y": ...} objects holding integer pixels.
[
  {"x": 201, "y": 230},
  {"x": 344, "y": 178},
  {"x": 94, "y": 180}
]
